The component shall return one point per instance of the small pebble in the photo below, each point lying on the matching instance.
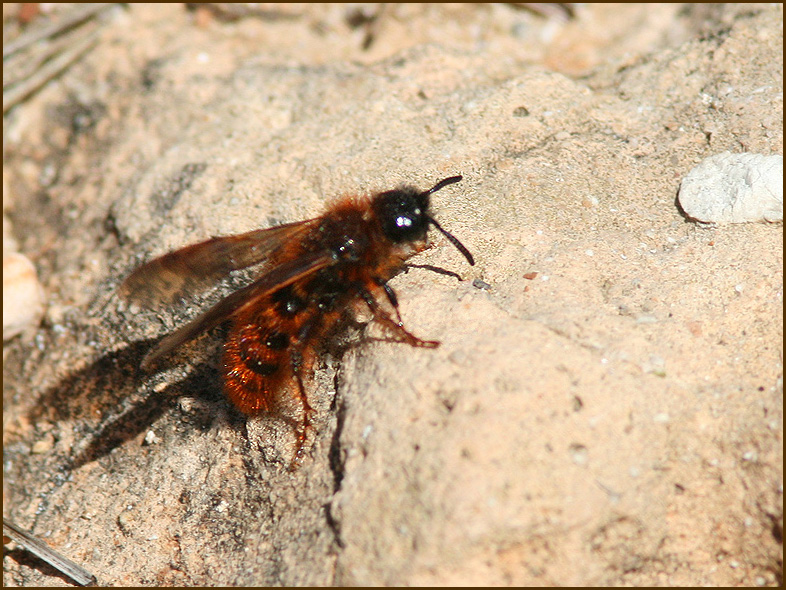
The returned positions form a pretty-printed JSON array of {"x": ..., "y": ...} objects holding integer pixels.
[
  {"x": 579, "y": 454},
  {"x": 734, "y": 188},
  {"x": 646, "y": 319},
  {"x": 42, "y": 446},
  {"x": 23, "y": 297},
  {"x": 151, "y": 438}
]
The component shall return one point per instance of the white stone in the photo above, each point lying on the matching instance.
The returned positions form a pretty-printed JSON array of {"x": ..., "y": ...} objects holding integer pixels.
[
  {"x": 734, "y": 188},
  {"x": 23, "y": 297}
]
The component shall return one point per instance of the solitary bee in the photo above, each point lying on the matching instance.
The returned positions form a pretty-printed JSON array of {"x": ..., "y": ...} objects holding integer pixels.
[{"x": 311, "y": 272}]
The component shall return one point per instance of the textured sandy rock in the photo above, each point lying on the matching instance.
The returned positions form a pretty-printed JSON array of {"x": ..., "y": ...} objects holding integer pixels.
[{"x": 609, "y": 411}]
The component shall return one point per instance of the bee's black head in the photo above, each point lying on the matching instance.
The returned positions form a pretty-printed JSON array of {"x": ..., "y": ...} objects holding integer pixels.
[{"x": 403, "y": 214}]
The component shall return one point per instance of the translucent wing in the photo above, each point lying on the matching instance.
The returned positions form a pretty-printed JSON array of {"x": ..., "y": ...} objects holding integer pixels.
[
  {"x": 279, "y": 276},
  {"x": 187, "y": 270}
]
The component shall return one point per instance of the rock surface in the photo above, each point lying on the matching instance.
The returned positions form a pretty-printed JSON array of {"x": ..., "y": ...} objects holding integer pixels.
[{"x": 609, "y": 411}]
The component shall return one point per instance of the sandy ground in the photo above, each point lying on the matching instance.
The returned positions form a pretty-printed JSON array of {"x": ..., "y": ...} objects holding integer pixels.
[{"x": 606, "y": 406}]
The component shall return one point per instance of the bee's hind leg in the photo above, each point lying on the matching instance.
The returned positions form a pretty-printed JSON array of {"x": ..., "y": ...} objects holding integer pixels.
[{"x": 301, "y": 360}]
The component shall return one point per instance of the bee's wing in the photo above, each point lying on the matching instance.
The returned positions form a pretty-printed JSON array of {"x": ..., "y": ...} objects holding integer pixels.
[
  {"x": 279, "y": 276},
  {"x": 190, "y": 269}
]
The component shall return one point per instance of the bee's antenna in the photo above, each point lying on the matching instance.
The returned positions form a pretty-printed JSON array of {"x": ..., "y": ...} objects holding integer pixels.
[
  {"x": 453, "y": 240},
  {"x": 443, "y": 183}
]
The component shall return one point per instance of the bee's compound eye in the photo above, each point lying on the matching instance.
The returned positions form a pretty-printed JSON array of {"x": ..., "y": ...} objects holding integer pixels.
[
  {"x": 401, "y": 214},
  {"x": 405, "y": 222}
]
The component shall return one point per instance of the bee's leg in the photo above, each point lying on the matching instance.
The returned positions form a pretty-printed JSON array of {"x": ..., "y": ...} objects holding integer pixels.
[
  {"x": 397, "y": 327},
  {"x": 302, "y": 431},
  {"x": 298, "y": 366},
  {"x": 391, "y": 295}
]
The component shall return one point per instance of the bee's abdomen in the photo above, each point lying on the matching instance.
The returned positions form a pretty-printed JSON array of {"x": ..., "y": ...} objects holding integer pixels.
[
  {"x": 263, "y": 341},
  {"x": 257, "y": 365}
]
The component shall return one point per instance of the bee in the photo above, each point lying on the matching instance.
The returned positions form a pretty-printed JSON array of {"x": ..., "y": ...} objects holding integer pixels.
[{"x": 311, "y": 273}]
